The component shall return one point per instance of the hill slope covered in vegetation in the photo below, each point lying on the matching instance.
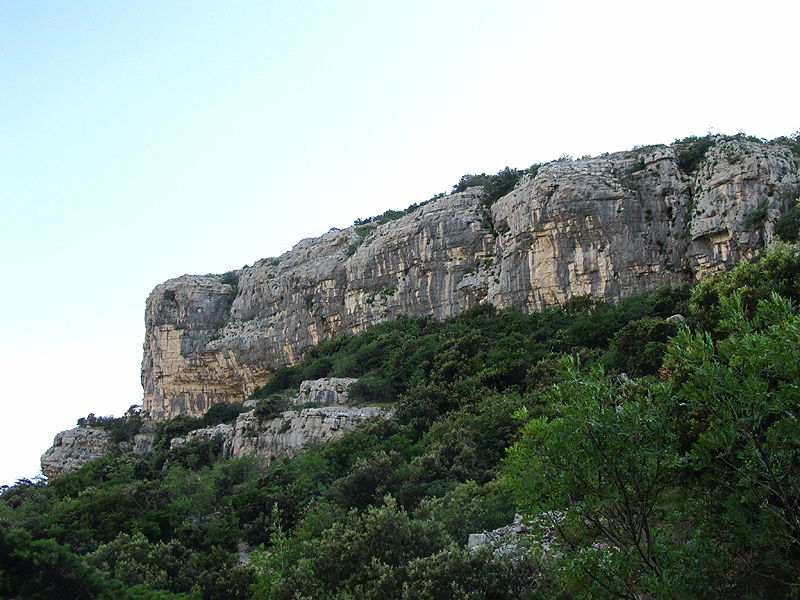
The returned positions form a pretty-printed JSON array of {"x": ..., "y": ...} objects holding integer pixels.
[{"x": 665, "y": 455}]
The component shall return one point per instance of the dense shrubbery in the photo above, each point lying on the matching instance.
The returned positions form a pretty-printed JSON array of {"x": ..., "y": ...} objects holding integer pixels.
[
  {"x": 686, "y": 487},
  {"x": 788, "y": 226},
  {"x": 692, "y": 150},
  {"x": 683, "y": 483},
  {"x": 495, "y": 186},
  {"x": 120, "y": 429}
]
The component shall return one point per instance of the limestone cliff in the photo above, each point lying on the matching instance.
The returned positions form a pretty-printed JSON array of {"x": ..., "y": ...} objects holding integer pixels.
[{"x": 607, "y": 226}]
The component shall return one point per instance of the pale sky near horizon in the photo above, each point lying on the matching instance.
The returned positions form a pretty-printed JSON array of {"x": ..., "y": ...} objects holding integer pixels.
[{"x": 143, "y": 140}]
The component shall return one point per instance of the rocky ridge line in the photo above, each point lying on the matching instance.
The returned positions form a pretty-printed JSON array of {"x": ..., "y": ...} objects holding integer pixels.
[{"x": 608, "y": 226}]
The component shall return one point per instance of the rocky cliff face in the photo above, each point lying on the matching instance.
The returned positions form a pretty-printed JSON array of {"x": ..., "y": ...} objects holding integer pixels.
[
  {"x": 73, "y": 448},
  {"x": 607, "y": 226},
  {"x": 320, "y": 417},
  {"x": 328, "y": 391}
]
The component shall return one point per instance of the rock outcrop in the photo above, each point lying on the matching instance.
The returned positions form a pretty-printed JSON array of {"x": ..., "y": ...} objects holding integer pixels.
[
  {"x": 328, "y": 391},
  {"x": 294, "y": 430},
  {"x": 73, "y": 448},
  {"x": 285, "y": 436},
  {"x": 607, "y": 226},
  {"x": 517, "y": 537}
]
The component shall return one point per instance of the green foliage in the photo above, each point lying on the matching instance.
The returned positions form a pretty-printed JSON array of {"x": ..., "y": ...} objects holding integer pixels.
[
  {"x": 778, "y": 271},
  {"x": 372, "y": 389},
  {"x": 603, "y": 471},
  {"x": 692, "y": 150},
  {"x": 222, "y": 412},
  {"x": 638, "y": 348},
  {"x": 43, "y": 569},
  {"x": 230, "y": 278},
  {"x": 121, "y": 429},
  {"x": 494, "y": 186},
  {"x": 470, "y": 508},
  {"x": 682, "y": 487},
  {"x": 757, "y": 215},
  {"x": 271, "y": 566},
  {"x": 744, "y": 397},
  {"x": 686, "y": 487},
  {"x": 637, "y": 166},
  {"x": 272, "y": 407},
  {"x": 787, "y": 227},
  {"x": 432, "y": 367},
  {"x": 456, "y": 572},
  {"x": 365, "y": 230},
  {"x": 365, "y": 226},
  {"x": 365, "y": 555}
]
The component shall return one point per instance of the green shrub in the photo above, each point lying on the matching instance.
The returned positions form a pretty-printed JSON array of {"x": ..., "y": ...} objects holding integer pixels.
[
  {"x": 692, "y": 150},
  {"x": 777, "y": 271},
  {"x": 230, "y": 278},
  {"x": 372, "y": 389},
  {"x": 494, "y": 186},
  {"x": 272, "y": 407},
  {"x": 638, "y": 348},
  {"x": 788, "y": 226},
  {"x": 222, "y": 412},
  {"x": 120, "y": 429}
]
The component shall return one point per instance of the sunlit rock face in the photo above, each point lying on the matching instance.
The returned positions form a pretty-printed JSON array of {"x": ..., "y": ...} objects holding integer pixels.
[{"x": 608, "y": 226}]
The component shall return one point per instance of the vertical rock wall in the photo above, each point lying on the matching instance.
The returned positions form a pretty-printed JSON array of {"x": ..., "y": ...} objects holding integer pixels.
[{"x": 608, "y": 226}]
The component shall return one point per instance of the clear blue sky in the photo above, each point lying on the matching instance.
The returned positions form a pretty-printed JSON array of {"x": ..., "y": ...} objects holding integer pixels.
[{"x": 143, "y": 140}]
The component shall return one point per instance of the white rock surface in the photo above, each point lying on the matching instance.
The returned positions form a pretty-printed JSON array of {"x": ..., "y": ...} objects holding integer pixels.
[{"x": 328, "y": 391}]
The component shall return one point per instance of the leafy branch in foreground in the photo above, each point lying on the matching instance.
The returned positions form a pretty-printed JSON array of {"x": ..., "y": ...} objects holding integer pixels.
[{"x": 688, "y": 487}]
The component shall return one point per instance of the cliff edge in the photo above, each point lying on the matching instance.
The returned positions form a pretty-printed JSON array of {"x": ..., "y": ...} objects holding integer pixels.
[{"x": 607, "y": 226}]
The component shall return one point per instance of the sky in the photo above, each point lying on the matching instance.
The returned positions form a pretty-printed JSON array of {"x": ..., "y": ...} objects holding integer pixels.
[{"x": 143, "y": 140}]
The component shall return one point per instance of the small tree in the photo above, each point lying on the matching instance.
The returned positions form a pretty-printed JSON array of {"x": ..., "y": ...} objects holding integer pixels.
[
  {"x": 271, "y": 565},
  {"x": 601, "y": 472}
]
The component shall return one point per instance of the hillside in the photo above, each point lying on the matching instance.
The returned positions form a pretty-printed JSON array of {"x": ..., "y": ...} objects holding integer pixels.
[
  {"x": 637, "y": 486},
  {"x": 646, "y": 438}
]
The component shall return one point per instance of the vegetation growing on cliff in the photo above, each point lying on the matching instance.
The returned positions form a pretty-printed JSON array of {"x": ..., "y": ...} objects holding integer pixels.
[{"x": 677, "y": 479}]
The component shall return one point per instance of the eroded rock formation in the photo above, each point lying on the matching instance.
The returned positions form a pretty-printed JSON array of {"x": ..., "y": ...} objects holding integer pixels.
[
  {"x": 73, "y": 448},
  {"x": 294, "y": 430},
  {"x": 328, "y": 391},
  {"x": 284, "y": 436},
  {"x": 607, "y": 226}
]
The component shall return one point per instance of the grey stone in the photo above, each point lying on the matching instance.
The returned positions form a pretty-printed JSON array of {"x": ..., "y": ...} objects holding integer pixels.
[
  {"x": 601, "y": 226},
  {"x": 72, "y": 449}
]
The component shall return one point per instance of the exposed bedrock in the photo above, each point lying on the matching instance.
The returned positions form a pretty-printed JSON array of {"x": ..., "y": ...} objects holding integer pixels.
[{"x": 607, "y": 226}]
